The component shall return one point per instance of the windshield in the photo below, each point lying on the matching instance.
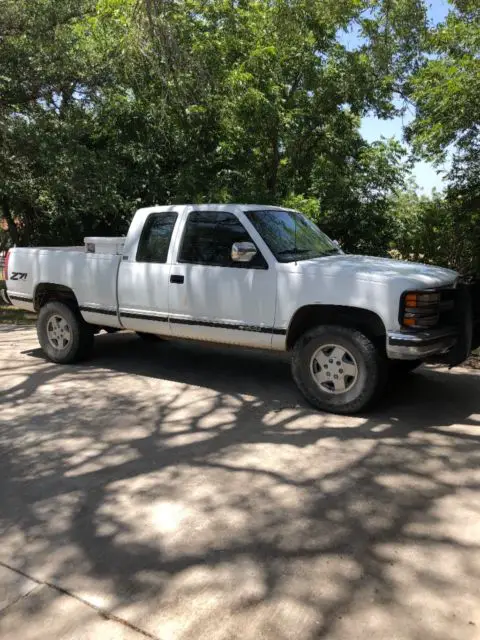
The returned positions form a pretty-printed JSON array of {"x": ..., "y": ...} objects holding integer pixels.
[{"x": 290, "y": 236}]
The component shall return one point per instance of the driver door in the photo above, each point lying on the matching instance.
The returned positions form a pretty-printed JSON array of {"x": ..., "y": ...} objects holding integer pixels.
[{"x": 211, "y": 296}]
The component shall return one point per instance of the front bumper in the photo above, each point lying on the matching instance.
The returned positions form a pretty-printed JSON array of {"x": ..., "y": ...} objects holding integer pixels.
[
  {"x": 449, "y": 344},
  {"x": 403, "y": 345}
]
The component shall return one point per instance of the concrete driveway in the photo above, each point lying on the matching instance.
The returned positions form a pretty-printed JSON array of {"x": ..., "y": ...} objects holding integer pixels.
[{"x": 179, "y": 492}]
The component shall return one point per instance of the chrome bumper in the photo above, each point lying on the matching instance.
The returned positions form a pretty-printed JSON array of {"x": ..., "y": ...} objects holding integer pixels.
[{"x": 421, "y": 344}]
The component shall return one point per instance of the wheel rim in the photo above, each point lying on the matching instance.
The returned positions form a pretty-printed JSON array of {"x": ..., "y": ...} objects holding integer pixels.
[
  {"x": 59, "y": 333},
  {"x": 334, "y": 369}
]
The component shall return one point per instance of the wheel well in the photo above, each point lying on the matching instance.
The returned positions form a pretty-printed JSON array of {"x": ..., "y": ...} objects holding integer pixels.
[
  {"x": 311, "y": 316},
  {"x": 48, "y": 292}
]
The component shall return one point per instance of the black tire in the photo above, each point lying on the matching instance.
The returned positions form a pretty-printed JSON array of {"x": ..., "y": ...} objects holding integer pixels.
[
  {"x": 80, "y": 343},
  {"x": 149, "y": 337},
  {"x": 400, "y": 368},
  {"x": 371, "y": 366}
]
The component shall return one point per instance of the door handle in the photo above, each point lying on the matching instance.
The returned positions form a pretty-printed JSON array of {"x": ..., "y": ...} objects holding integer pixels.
[{"x": 175, "y": 279}]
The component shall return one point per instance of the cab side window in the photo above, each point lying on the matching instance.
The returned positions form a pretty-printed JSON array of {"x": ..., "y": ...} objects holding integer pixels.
[{"x": 155, "y": 239}]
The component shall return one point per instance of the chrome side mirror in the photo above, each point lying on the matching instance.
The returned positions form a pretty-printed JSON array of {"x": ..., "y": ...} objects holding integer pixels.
[
  {"x": 338, "y": 246},
  {"x": 243, "y": 251}
]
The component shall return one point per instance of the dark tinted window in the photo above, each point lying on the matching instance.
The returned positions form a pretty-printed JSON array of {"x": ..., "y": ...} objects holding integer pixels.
[
  {"x": 209, "y": 237},
  {"x": 156, "y": 237}
]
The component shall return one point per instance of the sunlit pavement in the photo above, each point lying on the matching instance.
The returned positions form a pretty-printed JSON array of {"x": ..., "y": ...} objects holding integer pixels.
[{"x": 179, "y": 492}]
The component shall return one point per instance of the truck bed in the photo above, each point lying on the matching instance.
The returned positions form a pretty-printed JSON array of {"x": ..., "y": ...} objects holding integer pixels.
[{"x": 93, "y": 277}]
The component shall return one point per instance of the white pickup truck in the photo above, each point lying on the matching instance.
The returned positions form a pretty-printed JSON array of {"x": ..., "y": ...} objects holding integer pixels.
[{"x": 250, "y": 275}]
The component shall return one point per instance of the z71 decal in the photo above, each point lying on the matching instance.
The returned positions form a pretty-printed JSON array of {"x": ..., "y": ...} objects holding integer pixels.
[{"x": 18, "y": 275}]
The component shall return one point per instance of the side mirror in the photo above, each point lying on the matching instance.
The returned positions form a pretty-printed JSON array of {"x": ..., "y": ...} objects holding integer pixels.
[
  {"x": 338, "y": 246},
  {"x": 243, "y": 251}
]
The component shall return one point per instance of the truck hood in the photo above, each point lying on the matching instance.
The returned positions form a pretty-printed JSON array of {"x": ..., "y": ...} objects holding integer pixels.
[{"x": 383, "y": 270}]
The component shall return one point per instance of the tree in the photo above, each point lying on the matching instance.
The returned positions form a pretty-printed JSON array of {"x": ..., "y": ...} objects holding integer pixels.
[
  {"x": 288, "y": 100},
  {"x": 446, "y": 87},
  {"x": 47, "y": 85},
  {"x": 445, "y": 91},
  {"x": 108, "y": 104}
]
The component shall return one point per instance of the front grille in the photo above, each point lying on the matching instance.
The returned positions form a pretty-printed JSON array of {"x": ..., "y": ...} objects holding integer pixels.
[{"x": 448, "y": 303}]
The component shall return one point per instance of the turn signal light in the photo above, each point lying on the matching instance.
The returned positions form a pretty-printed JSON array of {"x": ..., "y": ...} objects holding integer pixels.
[{"x": 420, "y": 309}]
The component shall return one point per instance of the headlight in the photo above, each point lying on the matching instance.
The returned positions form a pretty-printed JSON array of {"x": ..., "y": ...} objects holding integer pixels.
[{"x": 420, "y": 309}]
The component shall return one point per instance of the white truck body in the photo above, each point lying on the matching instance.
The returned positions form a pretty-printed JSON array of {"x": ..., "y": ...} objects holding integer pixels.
[
  {"x": 251, "y": 307},
  {"x": 176, "y": 274}
]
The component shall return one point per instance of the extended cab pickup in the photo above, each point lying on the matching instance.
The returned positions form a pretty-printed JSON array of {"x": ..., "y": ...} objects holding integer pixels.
[{"x": 249, "y": 275}]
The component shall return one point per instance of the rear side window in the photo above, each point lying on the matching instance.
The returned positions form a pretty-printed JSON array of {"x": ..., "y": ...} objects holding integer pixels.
[
  {"x": 155, "y": 239},
  {"x": 208, "y": 239}
]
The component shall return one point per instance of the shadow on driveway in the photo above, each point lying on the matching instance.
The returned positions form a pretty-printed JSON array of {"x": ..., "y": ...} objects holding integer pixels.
[{"x": 193, "y": 492}]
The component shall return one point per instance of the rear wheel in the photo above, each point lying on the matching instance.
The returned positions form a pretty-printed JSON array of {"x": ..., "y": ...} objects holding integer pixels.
[
  {"x": 63, "y": 334},
  {"x": 338, "y": 369}
]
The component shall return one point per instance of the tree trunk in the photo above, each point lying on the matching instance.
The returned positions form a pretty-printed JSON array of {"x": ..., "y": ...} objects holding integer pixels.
[{"x": 11, "y": 225}]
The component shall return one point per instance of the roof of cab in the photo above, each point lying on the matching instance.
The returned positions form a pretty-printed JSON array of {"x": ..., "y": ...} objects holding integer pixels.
[{"x": 211, "y": 207}]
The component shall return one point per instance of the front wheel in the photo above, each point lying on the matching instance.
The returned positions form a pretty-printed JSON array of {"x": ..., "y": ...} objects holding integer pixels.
[
  {"x": 338, "y": 369},
  {"x": 63, "y": 334}
]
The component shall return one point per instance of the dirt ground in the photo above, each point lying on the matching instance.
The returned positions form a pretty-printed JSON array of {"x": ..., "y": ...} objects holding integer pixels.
[{"x": 189, "y": 493}]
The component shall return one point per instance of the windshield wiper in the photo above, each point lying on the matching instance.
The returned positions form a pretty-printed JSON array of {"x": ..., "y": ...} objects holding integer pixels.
[{"x": 329, "y": 252}]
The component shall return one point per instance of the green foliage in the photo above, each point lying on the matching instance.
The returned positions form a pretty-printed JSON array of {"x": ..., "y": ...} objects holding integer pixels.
[
  {"x": 434, "y": 230},
  {"x": 446, "y": 87},
  {"x": 309, "y": 206},
  {"x": 355, "y": 194},
  {"x": 107, "y": 105},
  {"x": 445, "y": 90}
]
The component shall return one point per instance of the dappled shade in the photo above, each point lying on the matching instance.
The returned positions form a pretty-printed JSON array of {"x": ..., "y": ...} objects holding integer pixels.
[{"x": 192, "y": 492}]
